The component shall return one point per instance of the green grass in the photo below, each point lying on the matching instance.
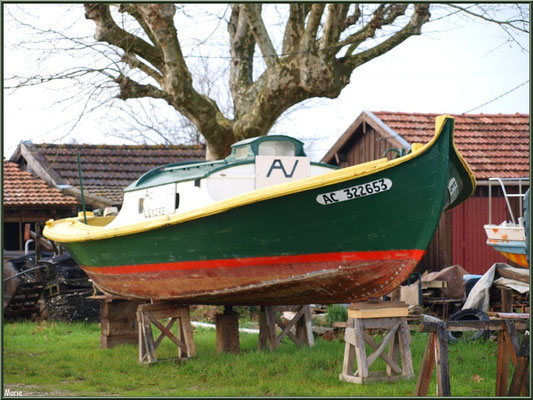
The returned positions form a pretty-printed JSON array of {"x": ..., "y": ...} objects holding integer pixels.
[{"x": 65, "y": 359}]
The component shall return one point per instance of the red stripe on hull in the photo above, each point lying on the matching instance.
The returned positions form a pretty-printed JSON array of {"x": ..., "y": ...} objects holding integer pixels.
[
  {"x": 328, "y": 278},
  {"x": 258, "y": 261}
]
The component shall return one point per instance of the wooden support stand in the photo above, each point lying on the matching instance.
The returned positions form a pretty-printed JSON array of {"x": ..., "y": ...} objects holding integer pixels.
[
  {"x": 227, "y": 331},
  {"x": 436, "y": 355},
  {"x": 148, "y": 314},
  {"x": 301, "y": 322},
  {"x": 383, "y": 315},
  {"x": 118, "y": 322}
]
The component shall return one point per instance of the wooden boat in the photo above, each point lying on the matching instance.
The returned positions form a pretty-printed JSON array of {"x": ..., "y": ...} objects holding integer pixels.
[
  {"x": 265, "y": 226},
  {"x": 509, "y": 237}
]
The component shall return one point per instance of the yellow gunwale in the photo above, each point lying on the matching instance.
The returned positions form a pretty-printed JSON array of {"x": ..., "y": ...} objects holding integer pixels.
[{"x": 73, "y": 230}]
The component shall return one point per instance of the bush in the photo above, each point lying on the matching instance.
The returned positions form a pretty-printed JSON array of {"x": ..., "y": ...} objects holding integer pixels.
[{"x": 337, "y": 312}]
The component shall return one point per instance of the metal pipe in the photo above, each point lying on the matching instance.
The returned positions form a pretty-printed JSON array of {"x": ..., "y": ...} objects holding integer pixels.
[
  {"x": 81, "y": 190},
  {"x": 490, "y": 202},
  {"x": 27, "y": 246},
  {"x": 21, "y": 273}
]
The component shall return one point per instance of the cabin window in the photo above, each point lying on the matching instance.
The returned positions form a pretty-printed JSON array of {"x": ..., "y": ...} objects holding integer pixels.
[
  {"x": 177, "y": 200},
  {"x": 141, "y": 205},
  {"x": 241, "y": 153},
  {"x": 278, "y": 148},
  {"x": 197, "y": 182}
]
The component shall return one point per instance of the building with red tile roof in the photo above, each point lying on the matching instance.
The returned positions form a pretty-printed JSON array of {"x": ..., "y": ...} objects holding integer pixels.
[
  {"x": 494, "y": 145},
  {"x": 28, "y": 200},
  {"x": 106, "y": 169},
  {"x": 22, "y": 189}
]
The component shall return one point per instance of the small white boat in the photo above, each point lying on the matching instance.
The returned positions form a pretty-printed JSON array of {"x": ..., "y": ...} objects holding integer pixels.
[{"x": 509, "y": 237}]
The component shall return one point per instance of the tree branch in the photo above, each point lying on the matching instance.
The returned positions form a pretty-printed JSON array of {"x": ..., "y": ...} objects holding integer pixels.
[
  {"x": 108, "y": 31},
  {"x": 129, "y": 89},
  {"x": 253, "y": 14},
  {"x": 309, "y": 37},
  {"x": 242, "y": 47},
  {"x": 508, "y": 23},
  {"x": 134, "y": 63},
  {"x": 336, "y": 16},
  {"x": 420, "y": 16},
  {"x": 295, "y": 27},
  {"x": 384, "y": 15}
]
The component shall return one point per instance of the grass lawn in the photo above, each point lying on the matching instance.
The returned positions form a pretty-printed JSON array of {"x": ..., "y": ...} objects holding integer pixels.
[{"x": 57, "y": 359}]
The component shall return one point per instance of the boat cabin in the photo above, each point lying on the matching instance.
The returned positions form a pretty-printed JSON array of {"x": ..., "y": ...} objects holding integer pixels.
[{"x": 253, "y": 164}]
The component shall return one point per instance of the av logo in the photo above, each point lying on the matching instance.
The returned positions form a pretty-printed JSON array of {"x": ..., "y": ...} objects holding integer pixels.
[
  {"x": 272, "y": 170},
  {"x": 277, "y": 164}
]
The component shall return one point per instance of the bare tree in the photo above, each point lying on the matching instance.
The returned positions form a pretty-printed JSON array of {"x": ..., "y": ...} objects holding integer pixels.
[{"x": 277, "y": 57}]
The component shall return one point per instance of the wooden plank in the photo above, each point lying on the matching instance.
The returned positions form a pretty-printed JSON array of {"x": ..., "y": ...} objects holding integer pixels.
[
  {"x": 227, "y": 332},
  {"x": 161, "y": 334},
  {"x": 379, "y": 323},
  {"x": 116, "y": 309},
  {"x": 142, "y": 348},
  {"x": 167, "y": 333},
  {"x": 286, "y": 331},
  {"x": 379, "y": 312},
  {"x": 384, "y": 343},
  {"x": 426, "y": 368},
  {"x": 187, "y": 333},
  {"x": 434, "y": 284},
  {"x": 122, "y": 326},
  {"x": 520, "y": 380},
  {"x": 148, "y": 340},
  {"x": 391, "y": 362},
  {"x": 393, "y": 355},
  {"x": 360, "y": 350},
  {"x": 349, "y": 359},
  {"x": 507, "y": 300},
  {"x": 271, "y": 325},
  {"x": 304, "y": 327},
  {"x": 457, "y": 326},
  {"x": 377, "y": 305},
  {"x": 263, "y": 330},
  {"x": 442, "y": 363},
  {"x": 404, "y": 337},
  {"x": 502, "y": 366}
]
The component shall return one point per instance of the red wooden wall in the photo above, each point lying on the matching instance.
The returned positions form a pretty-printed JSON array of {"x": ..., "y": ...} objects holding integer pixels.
[{"x": 469, "y": 248}]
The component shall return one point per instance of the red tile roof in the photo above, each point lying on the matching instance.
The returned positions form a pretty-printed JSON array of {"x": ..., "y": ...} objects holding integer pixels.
[
  {"x": 108, "y": 169},
  {"x": 22, "y": 189},
  {"x": 494, "y": 145}
]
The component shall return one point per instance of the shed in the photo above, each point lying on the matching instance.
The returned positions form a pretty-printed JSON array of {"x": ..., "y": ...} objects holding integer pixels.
[
  {"x": 106, "y": 169},
  {"x": 494, "y": 145},
  {"x": 29, "y": 200}
]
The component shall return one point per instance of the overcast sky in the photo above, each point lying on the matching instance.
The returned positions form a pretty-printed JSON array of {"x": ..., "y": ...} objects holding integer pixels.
[{"x": 454, "y": 67}]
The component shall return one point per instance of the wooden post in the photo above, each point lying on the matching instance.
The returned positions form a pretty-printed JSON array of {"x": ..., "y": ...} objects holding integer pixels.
[
  {"x": 507, "y": 300},
  {"x": 118, "y": 322},
  {"x": 442, "y": 364},
  {"x": 520, "y": 380},
  {"x": 304, "y": 328},
  {"x": 436, "y": 354},
  {"x": 227, "y": 331},
  {"x": 148, "y": 314},
  {"x": 268, "y": 320},
  {"x": 377, "y": 315},
  {"x": 426, "y": 369}
]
